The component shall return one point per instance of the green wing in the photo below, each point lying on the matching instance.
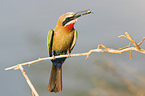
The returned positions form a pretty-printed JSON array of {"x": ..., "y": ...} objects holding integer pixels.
[
  {"x": 49, "y": 41},
  {"x": 74, "y": 40}
]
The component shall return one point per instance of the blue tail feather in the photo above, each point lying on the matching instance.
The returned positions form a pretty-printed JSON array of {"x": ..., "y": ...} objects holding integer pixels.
[{"x": 58, "y": 61}]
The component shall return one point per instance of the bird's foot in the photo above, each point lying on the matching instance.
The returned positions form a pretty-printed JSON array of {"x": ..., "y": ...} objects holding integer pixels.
[
  {"x": 68, "y": 53},
  {"x": 53, "y": 56}
]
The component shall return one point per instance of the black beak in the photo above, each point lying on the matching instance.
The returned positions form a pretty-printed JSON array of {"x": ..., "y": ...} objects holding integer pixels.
[
  {"x": 81, "y": 13},
  {"x": 75, "y": 16}
]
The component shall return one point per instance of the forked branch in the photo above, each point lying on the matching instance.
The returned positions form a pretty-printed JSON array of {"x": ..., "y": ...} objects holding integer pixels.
[{"x": 101, "y": 48}]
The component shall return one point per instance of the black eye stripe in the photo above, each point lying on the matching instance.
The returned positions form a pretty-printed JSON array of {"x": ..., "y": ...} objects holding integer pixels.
[{"x": 68, "y": 19}]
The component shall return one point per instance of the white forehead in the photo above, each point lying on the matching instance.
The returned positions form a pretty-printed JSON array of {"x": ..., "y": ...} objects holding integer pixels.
[
  {"x": 64, "y": 16},
  {"x": 69, "y": 14}
]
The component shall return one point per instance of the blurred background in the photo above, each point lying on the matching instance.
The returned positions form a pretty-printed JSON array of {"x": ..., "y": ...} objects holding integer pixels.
[{"x": 24, "y": 25}]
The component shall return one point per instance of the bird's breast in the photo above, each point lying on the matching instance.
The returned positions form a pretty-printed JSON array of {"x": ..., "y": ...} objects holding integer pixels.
[{"x": 62, "y": 40}]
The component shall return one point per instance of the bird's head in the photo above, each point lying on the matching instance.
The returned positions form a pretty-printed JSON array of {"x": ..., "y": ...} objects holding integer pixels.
[{"x": 68, "y": 20}]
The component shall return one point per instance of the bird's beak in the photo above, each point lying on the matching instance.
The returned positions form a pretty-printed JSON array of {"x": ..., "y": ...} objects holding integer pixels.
[
  {"x": 75, "y": 16},
  {"x": 81, "y": 13}
]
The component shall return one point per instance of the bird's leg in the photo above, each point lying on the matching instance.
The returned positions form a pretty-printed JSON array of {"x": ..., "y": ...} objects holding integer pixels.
[
  {"x": 68, "y": 53},
  {"x": 53, "y": 54}
]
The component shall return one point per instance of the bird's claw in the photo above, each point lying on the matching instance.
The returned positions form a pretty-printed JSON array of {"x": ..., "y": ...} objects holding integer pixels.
[
  {"x": 68, "y": 53},
  {"x": 53, "y": 56}
]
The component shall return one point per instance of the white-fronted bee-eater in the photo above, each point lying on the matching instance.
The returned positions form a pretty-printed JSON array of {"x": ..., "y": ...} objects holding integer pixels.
[{"x": 61, "y": 41}]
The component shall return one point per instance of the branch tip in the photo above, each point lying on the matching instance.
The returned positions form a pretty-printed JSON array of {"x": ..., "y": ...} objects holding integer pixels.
[{"x": 141, "y": 41}]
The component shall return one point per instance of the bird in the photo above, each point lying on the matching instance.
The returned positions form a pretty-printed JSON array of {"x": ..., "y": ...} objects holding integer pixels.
[{"x": 60, "y": 41}]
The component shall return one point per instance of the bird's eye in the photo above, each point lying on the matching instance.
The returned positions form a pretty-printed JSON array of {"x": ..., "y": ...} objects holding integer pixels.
[{"x": 68, "y": 18}]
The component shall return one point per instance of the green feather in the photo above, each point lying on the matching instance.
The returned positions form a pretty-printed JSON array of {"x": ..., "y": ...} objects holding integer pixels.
[
  {"x": 49, "y": 41},
  {"x": 74, "y": 40}
]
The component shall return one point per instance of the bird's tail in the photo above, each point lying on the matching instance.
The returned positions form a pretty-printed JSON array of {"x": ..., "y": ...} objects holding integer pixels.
[{"x": 55, "y": 81}]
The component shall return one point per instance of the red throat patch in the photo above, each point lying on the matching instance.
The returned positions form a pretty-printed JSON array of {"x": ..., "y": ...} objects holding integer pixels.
[{"x": 70, "y": 26}]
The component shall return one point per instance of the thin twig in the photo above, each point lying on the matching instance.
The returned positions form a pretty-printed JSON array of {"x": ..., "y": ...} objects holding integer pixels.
[
  {"x": 28, "y": 80},
  {"x": 141, "y": 41},
  {"x": 131, "y": 39}
]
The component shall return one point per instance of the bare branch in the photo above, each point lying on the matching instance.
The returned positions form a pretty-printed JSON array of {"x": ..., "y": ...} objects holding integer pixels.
[
  {"x": 101, "y": 48},
  {"x": 105, "y": 49}
]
